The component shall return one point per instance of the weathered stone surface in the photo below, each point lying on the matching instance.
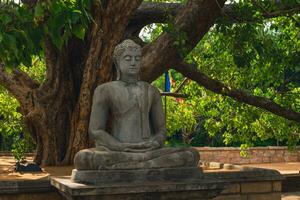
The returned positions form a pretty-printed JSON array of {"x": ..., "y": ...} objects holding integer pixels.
[
  {"x": 113, "y": 177},
  {"x": 234, "y": 188},
  {"x": 277, "y": 186},
  {"x": 258, "y": 187},
  {"x": 135, "y": 139},
  {"x": 232, "y": 197},
  {"x": 191, "y": 190},
  {"x": 268, "y": 196},
  {"x": 24, "y": 186},
  {"x": 291, "y": 183},
  {"x": 246, "y": 174}
]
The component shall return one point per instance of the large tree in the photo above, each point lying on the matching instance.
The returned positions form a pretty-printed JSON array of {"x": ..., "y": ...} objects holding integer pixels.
[{"x": 76, "y": 39}]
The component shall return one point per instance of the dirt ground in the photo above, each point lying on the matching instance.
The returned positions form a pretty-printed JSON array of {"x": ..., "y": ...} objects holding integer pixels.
[{"x": 7, "y": 170}]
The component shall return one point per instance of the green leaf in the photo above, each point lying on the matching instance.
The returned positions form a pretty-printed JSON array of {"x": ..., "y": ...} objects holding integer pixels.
[
  {"x": 75, "y": 15},
  {"x": 11, "y": 43},
  {"x": 6, "y": 19},
  {"x": 57, "y": 40},
  {"x": 38, "y": 11},
  {"x": 79, "y": 31}
]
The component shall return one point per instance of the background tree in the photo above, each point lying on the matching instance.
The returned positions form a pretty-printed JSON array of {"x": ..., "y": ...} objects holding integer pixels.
[
  {"x": 13, "y": 136},
  {"x": 76, "y": 40},
  {"x": 263, "y": 59}
]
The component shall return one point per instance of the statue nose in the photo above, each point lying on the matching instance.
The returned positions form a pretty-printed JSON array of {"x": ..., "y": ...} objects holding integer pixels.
[{"x": 132, "y": 63}]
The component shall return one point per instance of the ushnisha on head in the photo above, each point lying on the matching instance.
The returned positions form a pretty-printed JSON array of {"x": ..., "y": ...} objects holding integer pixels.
[{"x": 127, "y": 57}]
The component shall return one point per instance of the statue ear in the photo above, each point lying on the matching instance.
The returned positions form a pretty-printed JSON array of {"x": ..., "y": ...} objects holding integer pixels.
[{"x": 118, "y": 73}]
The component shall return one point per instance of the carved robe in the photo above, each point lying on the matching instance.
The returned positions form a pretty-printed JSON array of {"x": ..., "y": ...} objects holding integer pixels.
[{"x": 135, "y": 108}]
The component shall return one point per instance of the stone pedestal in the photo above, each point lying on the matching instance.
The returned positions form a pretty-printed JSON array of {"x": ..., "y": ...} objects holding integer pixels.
[
  {"x": 172, "y": 183},
  {"x": 107, "y": 177},
  {"x": 194, "y": 190}
]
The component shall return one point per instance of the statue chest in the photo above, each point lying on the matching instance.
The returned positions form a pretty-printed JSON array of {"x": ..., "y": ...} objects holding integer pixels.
[
  {"x": 130, "y": 111},
  {"x": 127, "y": 99}
]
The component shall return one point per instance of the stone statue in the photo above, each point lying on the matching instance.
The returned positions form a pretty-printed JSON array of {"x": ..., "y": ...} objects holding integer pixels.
[{"x": 137, "y": 133}]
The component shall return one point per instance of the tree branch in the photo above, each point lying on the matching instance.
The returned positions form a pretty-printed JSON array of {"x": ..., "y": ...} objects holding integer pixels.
[
  {"x": 172, "y": 94},
  {"x": 194, "y": 20},
  {"x": 18, "y": 83},
  {"x": 218, "y": 87},
  {"x": 282, "y": 10},
  {"x": 24, "y": 79},
  {"x": 153, "y": 12},
  {"x": 182, "y": 84}
]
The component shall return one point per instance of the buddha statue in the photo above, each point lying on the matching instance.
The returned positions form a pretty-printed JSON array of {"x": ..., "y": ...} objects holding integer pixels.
[{"x": 136, "y": 136}]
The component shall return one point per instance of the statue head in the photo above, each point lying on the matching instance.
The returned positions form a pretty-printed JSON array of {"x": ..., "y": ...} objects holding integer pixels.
[{"x": 127, "y": 57}]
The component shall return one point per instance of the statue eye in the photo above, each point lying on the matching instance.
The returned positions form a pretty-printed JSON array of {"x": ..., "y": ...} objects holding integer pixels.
[
  {"x": 127, "y": 58},
  {"x": 138, "y": 58}
]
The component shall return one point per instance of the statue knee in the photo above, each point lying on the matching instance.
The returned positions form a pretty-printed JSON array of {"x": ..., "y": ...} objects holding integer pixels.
[
  {"x": 83, "y": 160},
  {"x": 190, "y": 157}
]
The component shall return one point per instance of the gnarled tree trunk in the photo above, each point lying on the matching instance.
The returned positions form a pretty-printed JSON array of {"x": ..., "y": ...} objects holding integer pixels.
[{"x": 57, "y": 113}]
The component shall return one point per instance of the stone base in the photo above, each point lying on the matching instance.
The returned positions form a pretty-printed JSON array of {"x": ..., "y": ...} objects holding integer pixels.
[
  {"x": 107, "y": 177},
  {"x": 201, "y": 189}
]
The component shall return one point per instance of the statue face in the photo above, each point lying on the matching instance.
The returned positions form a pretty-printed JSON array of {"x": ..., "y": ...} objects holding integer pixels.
[{"x": 130, "y": 62}]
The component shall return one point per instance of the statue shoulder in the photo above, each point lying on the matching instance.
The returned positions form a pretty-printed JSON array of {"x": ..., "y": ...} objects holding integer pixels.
[
  {"x": 152, "y": 89},
  {"x": 106, "y": 87}
]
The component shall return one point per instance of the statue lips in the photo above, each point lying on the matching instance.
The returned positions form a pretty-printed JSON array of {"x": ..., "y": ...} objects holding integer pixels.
[{"x": 134, "y": 69}]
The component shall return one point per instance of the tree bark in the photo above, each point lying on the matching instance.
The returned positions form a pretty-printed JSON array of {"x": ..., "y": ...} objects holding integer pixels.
[
  {"x": 57, "y": 111},
  {"x": 154, "y": 12}
]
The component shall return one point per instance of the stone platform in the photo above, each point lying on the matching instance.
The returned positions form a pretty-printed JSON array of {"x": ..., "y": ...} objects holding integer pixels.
[
  {"x": 201, "y": 189},
  {"x": 163, "y": 183},
  {"x": 107, "y": 177}
]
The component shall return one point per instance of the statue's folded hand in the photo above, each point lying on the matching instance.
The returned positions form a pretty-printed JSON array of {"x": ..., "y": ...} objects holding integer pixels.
[
  {"x": 132, "y": 147},
  {"x": 142, "y": 146}
]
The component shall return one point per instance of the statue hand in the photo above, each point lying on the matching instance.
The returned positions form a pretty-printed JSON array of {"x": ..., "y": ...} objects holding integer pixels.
[
  {"x": 133, "y": 147},
  {"x": 159, "y": 138},
  {"x": 142, "y": 146},
  {"x": 154, "y": 144}
]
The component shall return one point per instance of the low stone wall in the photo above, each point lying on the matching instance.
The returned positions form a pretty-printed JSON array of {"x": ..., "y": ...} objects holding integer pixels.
[
  {"x": 247, "y": 183},
  {"x": 265, "y": 190},
  {"x": 255, "y": 155}
]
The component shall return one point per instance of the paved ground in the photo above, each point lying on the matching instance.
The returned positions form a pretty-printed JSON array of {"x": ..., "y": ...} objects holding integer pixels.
[{"x": 283, "y": 168}]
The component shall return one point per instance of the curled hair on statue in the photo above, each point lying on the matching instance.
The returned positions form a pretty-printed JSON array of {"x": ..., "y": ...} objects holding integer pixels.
[{"x": 120, "y": 49}]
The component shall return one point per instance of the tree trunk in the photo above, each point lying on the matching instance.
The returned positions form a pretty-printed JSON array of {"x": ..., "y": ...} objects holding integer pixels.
[
  {"x": 57, "y": 113},
  {"x": 51, "y": 107}
]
